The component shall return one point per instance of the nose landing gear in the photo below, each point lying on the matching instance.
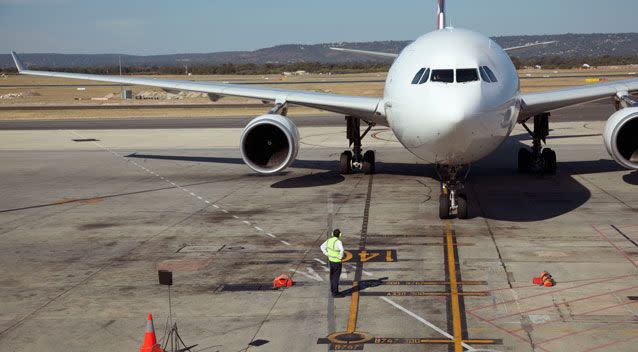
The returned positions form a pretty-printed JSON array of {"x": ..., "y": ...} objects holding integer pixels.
[
  {"x": 354, "y": 160},
  {"x": 538, "y": 158},
  {"x": 452, "y": 199}
]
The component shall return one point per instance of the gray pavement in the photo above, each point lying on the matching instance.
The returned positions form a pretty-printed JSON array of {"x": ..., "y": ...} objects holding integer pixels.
[{"x": 84, "y": 227}]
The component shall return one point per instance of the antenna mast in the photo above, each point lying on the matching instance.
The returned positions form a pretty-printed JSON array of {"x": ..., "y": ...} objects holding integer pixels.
[{"x": 440, "y": 16}]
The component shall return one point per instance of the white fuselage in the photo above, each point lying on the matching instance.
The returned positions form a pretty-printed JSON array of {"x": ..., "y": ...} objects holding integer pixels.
[{"x": 452, "y": 123}]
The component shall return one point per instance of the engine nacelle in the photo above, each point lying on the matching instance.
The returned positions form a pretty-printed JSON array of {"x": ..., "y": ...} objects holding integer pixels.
[
  {"x": 269, "y": 143},
  {"x": 621, "y": 137}
]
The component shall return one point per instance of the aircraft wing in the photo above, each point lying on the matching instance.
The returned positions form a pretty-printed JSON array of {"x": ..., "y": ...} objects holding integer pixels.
[
  {"x": 366, "y": 52},
  {"x": 540, "y": 102},
  {"x": 367, "y": 108},
  {"x": 528, "y": 45}
]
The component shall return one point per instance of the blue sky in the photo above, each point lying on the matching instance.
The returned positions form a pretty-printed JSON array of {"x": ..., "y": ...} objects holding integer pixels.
[{"x": 163, "y": 26}]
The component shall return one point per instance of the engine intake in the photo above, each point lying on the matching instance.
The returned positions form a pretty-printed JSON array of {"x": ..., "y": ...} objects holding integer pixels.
[
  {"x": 269, "y": 143},
  {"x": 621, "y": 137}
]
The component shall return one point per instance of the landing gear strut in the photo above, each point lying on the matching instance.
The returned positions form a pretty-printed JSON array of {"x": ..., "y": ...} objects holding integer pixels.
[
  {"x": 353, "y": 160},
  {"x": 538, "y": 158},
  {"x": 452, "y": 198}
]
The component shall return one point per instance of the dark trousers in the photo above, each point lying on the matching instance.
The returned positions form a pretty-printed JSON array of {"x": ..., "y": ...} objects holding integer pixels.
[{"x": 335, "y": 274}]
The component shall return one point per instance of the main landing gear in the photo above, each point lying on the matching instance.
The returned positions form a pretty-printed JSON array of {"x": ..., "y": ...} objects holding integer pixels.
[
  {"x": 351, "y": 161},
  {"x": 538, "y": 158},
  {"x": 452, "y": 199}
]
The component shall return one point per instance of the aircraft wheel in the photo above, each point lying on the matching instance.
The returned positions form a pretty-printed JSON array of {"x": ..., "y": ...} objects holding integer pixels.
[
  {"x": 524, "y": 160},
  {"x": 368, "y": 162},
  {"x": 549, "y": 161},
  {"x": 345, "y": 163},
  {"x": 444, "y": 206},
  {"x": 462, "y": 206}
]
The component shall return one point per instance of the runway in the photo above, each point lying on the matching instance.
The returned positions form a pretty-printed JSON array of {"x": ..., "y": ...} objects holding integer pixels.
[{"x": 89, "y": 213}]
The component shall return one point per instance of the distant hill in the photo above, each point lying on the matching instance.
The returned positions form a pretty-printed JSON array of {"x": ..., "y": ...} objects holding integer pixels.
[{"x": 567, "y": 46}]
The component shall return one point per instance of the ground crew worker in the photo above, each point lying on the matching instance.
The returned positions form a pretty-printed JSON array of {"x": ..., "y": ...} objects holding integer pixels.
[{"x": 333, "y": 249}]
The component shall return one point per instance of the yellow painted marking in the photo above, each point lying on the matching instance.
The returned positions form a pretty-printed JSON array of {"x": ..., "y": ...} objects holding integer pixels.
[
  {"x": 454, "y": 289},
  {"x": 388, "y": 256},
  {"x": 364, "y": 256},
  {"x": 391, "y": 340},
  {"x": 354, "y": 309},
  {"x": 347, "y": 255}
]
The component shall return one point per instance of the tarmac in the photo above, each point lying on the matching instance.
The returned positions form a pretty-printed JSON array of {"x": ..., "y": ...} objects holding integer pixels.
[{"x": 88, "y": 216}]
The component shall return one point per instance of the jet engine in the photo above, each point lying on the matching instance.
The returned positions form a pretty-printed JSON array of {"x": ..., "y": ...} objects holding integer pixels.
[
  {"x": 269, "y": 143},
  {"x": 621, "y": 137}
]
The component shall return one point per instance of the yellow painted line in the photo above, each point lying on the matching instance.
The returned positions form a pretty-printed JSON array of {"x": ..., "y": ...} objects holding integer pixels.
[
  {"x": 354, "y": 309},
  {"x": 454, "y": 289}
]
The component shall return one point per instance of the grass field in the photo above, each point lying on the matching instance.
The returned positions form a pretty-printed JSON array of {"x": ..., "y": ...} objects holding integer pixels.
[{"x": 41, "y": 91}]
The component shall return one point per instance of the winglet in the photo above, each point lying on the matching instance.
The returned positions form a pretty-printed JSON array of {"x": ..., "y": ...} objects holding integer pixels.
[{"x": 17, "y": 61}]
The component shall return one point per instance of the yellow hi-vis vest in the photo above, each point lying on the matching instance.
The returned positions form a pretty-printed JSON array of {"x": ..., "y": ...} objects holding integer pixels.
[{"x": 333, "y": 251}]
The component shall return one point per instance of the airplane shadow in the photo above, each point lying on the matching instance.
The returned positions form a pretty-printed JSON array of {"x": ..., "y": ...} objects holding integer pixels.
[{"x": 495, "y": 188}]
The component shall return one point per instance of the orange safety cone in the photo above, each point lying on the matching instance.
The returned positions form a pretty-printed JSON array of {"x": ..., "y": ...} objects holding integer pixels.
[{"x": 150, "y": 341}]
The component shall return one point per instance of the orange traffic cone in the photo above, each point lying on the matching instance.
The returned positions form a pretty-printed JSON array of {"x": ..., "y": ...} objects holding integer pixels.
[{"x": 150, "y": 341}]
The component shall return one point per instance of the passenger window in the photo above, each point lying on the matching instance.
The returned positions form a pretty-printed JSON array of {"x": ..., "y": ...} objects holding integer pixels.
[
  {"x": 425, "y": 76},
  {"x": 418, "y": 75},
  {"x": 484, "y": 75},
  {"x": 464, "y": 75},
  {"x": 445, "y": 76},
  {"x": 490, "y": 74}
]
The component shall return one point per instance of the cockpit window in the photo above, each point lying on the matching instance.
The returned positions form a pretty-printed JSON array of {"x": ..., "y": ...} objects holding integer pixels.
[
  {"x": 464, "y": 75},
  {"x": 491, "y": 74},
  {"x": 487, "y": 74},
  {"x": 484, "y": 75},
  {"x": 418, "y": 75},
  {"x": 445, "y": 76},
  {"x": 425, "y": 76},
  {"x": 421, "y": 76}
]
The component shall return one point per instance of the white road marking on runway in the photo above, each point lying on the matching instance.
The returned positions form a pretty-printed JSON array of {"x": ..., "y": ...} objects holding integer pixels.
[
  {"x": 424, "y": 321},
  {"x": 313, "y": 276},
  {"x": 186, "y": 190},
  {"x": 320, "y": 261}
]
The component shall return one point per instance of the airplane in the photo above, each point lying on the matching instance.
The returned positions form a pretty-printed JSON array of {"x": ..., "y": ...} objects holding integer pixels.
[{"x": 451, "y": 98}]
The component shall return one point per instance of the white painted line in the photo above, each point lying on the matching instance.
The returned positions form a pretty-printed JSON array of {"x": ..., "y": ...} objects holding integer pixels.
[
  {"x": 225, "y": 211},
  {"x": 271, "y": 235},
  {"x": 200, "y": 198},
  {"x": 258, "y": 228},
  {"x": 424, "y": 321},
  {"x": 314, "y": 277},
  {"x": 216, "y": 206},
  {"x": 192, "y": 194},
  {"x": 207, "y": 202},
  {"x": 312, "y": 272},
  {"x": 284, "y": 242},
  {"x": 236, "y": 217},
  {"x": 172, "y": 183},
  {"x": 246, "y": 222},
  {"x": 320, "y": 261}
]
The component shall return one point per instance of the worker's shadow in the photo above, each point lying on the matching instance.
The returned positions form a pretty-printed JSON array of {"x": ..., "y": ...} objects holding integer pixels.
[{"x": 362, "y": 285}]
